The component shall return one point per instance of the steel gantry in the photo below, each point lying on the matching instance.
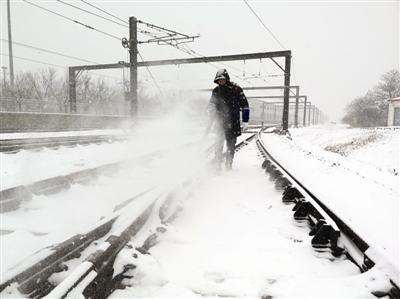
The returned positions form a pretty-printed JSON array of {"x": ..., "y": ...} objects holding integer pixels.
[
  {"x": 134, "y": 64},
  {"x": 297, "y": 96}
]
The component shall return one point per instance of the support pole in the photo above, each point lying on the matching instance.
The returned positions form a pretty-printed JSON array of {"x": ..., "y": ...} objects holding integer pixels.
[
  {"x": 285, "y": 117},
  {"x": 10, "y": 51},
  {"x": 4, "y": 81},
  {"x": 296, "y": 111},
  {"x": 133, "y": 65},
  {"x": 313, "y": 115},
  {"x": 72, "y": 90},
  {"x": 263, "y": 115},
  {"x": 309, "y": 113},
  {"x": 305, "y": 111}
]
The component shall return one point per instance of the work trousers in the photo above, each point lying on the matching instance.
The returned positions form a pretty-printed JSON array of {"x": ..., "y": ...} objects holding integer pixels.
[{"x": 230, "y": 148}]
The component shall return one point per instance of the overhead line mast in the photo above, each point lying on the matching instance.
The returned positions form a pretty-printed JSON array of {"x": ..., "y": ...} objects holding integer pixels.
[{"x": 10, "y": 50}]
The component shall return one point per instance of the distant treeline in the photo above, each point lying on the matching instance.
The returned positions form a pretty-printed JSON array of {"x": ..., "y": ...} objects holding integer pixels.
[
  {"x": 47, "y": 91},
  {"x": 371, "y": 110}
]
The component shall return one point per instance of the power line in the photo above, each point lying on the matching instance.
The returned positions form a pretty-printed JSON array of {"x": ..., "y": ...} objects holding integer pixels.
[
  {"x": 55, "y": 65},
  {"x": 92, "y": 13},
  {"x": 265, "y": 26},
  {"x": 151, "y": 75},
  {"x": 49, "y": 51},
  {"x": 36, "y": 61},
  {"x": 74, "y": 21},
  {"x": 111, "y": 15},
  {"x": 193, "y": 53},
  {"x": 103, "y": 11}
]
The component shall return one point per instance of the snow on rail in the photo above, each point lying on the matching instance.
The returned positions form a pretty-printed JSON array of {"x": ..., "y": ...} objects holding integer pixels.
[{"x": 235, "y": 238}]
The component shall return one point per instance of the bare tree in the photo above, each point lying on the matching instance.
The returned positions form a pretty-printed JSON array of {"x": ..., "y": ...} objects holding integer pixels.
[
  {"x": 371, "y": 109},
  {"x": 21, "y": 90},
  {"x": 45, "y": 91}
]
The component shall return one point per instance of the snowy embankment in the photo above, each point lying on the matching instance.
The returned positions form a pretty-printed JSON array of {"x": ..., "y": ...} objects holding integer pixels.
[
  {"x": 354, "y": 172},
  {"x": 31, "y": 135},
  {"x": 235, "y": 238},
  {"x": 29, "y": 166},
  {"x": 52, "y": 218}
]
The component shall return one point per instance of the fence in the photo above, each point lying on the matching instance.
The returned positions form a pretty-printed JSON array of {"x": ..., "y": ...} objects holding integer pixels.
[{"x": 56, "y": 105}]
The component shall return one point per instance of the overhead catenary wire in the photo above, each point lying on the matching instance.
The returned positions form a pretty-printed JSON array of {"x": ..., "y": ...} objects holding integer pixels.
[
  {"x": 36, "y": 61},
  {"x": 48, "y": 51},
  {"x": 103, "y": 11},
  {"x": 265, "y": 26},
  {"x": 269, "y": 30},
  {"x": 92, "y": 13},
  {"x": 55, "y": 65},
  {"x": 196, "y": 54},
  {"x": 190, "y": 52},
  {"x": 86, "y": 26},
  {"x": 72, "y": 20},
  {"x": 193, "y": 53},
  {"x": 158, "y": 28},
  {"x": 151, "y": 75}
]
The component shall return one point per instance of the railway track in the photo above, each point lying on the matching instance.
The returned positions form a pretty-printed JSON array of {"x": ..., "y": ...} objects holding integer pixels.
[
  {"x": 14, "y": 145},
  {"x": 11, "y": 198},
  {"x": 329, "y": 232},
  {"x": 98, "y": 248}
]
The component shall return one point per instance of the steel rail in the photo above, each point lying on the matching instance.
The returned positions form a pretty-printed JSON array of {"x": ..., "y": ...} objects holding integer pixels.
[
  {"x": 13, "y": 145},
  {"x": 11, "y": 198},
  {"x": 308, "y": 207},
  {"x": 93, "y": 272}
]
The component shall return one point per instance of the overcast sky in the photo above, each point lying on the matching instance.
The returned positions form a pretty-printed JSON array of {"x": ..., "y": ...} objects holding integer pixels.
[{"x": 340, "y": 48}]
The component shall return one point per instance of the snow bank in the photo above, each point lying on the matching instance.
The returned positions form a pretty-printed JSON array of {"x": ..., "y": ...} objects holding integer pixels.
[
  {"x": 360, "y": 186},
  {"x": 235, "y": 238}
]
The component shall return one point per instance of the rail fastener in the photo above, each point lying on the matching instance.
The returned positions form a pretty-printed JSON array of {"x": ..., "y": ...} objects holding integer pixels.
[
  {"x": 324, "y": 236},
  {"x": 324, "y": 223}
]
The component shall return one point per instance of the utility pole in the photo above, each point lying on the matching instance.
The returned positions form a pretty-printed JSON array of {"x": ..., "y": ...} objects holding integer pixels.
[
  {"x": 133, "y": 65},
  {"x": 263, "y": 115},
  {"x": 304, "y": 111},
  {"x": 285, "y": 117},
  {"x": 10, "y": 53},
  {"x": 296, "y": 111},
  {"x": 313, "y": 115},
  {"x": 72, "y": 90},
  {"x": 4, "y": 80}
]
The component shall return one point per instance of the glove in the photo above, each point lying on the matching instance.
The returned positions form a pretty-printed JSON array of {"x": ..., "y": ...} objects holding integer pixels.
[{"x": 244, "y": 126}]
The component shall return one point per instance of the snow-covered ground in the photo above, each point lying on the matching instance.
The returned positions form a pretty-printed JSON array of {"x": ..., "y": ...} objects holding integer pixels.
[
  {"x": 235, "y": 238},
  {"x": 29, "y": 166},
  {"x": 354, "y": 172},
  {"x": 48, "y": 219},
  {"x": 23, "y": 135}
]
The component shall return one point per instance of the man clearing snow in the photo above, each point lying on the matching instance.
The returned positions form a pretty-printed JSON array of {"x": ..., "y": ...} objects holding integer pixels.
[{"x": 227, "y": 100}]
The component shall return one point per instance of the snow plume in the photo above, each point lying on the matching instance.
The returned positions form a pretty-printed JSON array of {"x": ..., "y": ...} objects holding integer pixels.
[{"x": 178, "y": 135}]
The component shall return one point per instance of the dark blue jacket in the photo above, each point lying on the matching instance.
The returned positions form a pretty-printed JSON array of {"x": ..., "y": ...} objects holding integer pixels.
[{"x": 226, "y": 103}]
